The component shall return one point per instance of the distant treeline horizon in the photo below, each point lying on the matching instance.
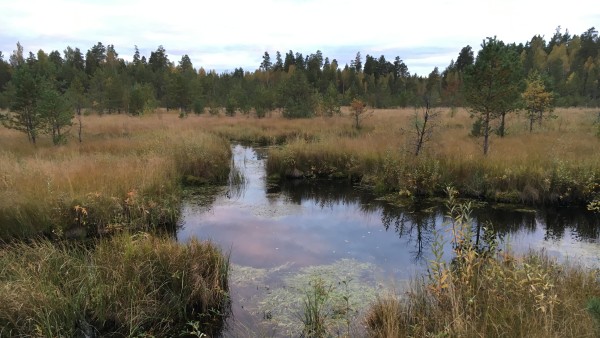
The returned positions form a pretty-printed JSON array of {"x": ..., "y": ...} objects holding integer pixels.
[{"x": 102, "y": 80}]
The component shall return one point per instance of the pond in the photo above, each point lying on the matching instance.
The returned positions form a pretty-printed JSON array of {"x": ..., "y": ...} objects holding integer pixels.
[{"x": 284, "y": 240}]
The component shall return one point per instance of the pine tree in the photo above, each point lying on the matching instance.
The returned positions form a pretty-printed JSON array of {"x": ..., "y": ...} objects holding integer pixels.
[
  {"x": 492, "y": 84},
  {"x": 25, "y": 91},
  {"x": 55, "y": 113}
]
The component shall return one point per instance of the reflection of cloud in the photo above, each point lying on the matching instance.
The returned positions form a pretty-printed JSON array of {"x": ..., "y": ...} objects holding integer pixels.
[
  {"x": 258, "y": 239},
  {"x": 276, "y": 211},
  {"x": 565, "y": 248}
]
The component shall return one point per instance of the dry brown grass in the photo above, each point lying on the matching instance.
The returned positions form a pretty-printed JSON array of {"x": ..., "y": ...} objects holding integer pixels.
[
  {"x": 128, "y": 171},
  {"x": 125, "y": 168},
  {"x": 531, "y": 296},
  {"x": 557, "y": 163},
  {"x": 149, "y": 155}
]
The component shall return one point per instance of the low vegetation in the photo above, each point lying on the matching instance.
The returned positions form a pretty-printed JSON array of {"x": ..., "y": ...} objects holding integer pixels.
[
  {"x": 558, "y": 164},
  {"x": 484, "y": 292},
  {"x": 126, "y": 285},
  {"x": 128, "y": 172}
]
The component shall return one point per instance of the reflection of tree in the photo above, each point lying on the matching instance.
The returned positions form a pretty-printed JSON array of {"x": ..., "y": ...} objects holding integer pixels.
[
  {"x": 557, "y": 222},
  {"x": 505, "y": 221},
  {"x": 412, "y": 223},
  {"x": 415, "y": 222},
  {"x": 582, "y": 224},
  {"x": 327, "y": 194}
]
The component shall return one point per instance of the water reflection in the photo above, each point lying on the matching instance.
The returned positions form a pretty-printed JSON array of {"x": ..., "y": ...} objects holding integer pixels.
[
  {"x": 416, "y": 225},
  {"x": 312, "y": 224},
  {"x": 554, "y": 223},
  {"x": 304, "y": 222},
  {"x": 416, "y": 221}
]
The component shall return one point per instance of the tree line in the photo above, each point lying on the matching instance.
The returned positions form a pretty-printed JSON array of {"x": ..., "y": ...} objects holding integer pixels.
[{"x": 47, "y": 89}]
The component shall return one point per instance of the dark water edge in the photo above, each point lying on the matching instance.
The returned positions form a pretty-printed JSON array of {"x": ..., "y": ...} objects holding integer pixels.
[{"x": 282, "y": 239}]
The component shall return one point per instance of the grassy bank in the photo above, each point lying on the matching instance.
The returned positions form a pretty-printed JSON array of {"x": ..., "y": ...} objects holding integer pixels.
[
  {"x": 127, "y": 172},
  {"x": 483, "y": 292},
  {"x": 531, "y": 296},
  {"x": 557, "y": 164},
  {"x": 127, "y": 285}
]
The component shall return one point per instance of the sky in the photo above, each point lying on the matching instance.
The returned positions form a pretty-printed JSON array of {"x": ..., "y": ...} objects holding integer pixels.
[{"x": 227, "y": 34}]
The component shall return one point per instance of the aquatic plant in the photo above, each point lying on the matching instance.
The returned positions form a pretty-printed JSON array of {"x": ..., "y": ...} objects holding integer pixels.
[
  {"x": 236, "y": 182},
  {"x": 323, "y": 298},
  {"x": 314, "y": 309}
]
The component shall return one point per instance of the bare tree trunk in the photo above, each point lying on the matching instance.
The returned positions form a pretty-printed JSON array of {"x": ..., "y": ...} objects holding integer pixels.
[
  {"x": 80, "y": 127},
  {"x": 502, "y": 125},
  {"x": 421, "y": 130},
  {"x": 486, "y": 133},
  {"x": 531, "y": 124}
]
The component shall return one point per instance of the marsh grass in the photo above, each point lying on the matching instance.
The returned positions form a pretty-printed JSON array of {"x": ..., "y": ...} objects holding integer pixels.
[
  {"x": 532, "y": 296},
  {"x": 483, "y": 292},
  {"x": 314, "y": 305},
  {"x": 557, "y": 164},
  {"x": 126, "y": 285},
  {"x": 237, "y": 182},
  {"x": 127, "y": 172}
]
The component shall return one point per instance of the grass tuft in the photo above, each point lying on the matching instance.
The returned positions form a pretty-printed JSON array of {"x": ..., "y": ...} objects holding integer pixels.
[{"x": 126, "y": 285}]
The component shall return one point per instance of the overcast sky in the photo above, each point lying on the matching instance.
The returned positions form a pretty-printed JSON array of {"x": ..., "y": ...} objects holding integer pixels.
[{"x": 227, "y": 34}]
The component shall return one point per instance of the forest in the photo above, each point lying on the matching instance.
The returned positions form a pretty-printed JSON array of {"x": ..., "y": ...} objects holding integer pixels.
[{"x": 302, "y": 85}]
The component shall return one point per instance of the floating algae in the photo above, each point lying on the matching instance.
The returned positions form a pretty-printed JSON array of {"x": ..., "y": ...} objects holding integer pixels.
[
  {"x": 350, "y": 286},
  {"x": 245, "y": 275}
]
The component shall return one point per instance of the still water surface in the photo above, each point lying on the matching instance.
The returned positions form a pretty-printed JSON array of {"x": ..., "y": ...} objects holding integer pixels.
[{"x": 281, "y": 239}]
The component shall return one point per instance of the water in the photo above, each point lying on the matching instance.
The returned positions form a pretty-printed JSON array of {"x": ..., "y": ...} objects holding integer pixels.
[{"x": 282, "y": 241}]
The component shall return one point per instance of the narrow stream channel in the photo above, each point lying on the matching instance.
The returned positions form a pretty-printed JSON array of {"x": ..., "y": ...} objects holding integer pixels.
[{"x": 283, "y": 242}]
